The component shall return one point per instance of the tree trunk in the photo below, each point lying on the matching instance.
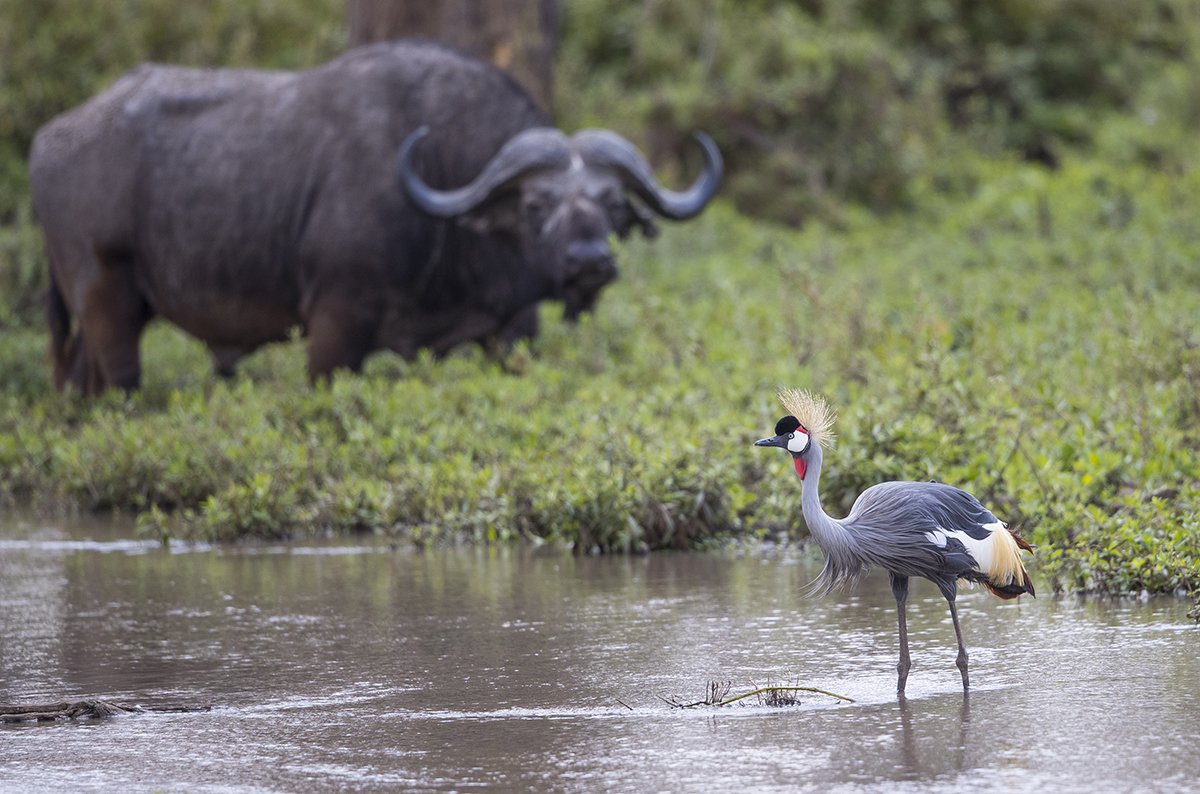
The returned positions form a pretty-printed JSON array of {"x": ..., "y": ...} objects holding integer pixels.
[{"x": 519, "y": 36}]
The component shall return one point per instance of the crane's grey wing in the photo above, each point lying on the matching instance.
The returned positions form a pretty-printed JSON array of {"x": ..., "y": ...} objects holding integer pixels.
[
  {"x": 921, "y": 529},
  {"x": 939, "y": 532},
  {"x": 927, "y": 504}
]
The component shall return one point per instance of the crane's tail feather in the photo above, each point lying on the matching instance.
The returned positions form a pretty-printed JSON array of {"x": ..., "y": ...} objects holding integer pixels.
[
  {"x": 1011, "y": 591},
  {"x": 1007, "y": 577},
  {"x": 1023, "y": 544}
]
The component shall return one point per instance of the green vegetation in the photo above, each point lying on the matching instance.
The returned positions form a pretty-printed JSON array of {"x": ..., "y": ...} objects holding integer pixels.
[
  {"x": 817, "y": 103},
  {"x": 1037, "y": 344},
  {"x": 1026, "y": 333}
]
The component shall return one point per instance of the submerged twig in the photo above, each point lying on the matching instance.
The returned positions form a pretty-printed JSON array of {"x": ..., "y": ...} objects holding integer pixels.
[
  {"x": 718, "y": 695},
  {"x": 717, "y": 691},
  {"x": 82, "y": 709}
]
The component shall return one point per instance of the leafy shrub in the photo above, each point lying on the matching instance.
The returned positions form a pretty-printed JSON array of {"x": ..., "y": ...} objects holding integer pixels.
[
  {"x": 23, "y": 274},
  {"x": 820, "y": 103},
  {"x": 1036, "y": 345},
  {"x": 807, "y": 115}
]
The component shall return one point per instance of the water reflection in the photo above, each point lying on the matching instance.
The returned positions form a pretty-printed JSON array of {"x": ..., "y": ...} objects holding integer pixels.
[
  {"x": 941, "y": 751},
  {"x": 362, "y": 666}
]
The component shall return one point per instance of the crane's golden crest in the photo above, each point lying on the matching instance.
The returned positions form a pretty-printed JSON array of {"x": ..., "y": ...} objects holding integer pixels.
[{"x": 813, "y": 413}]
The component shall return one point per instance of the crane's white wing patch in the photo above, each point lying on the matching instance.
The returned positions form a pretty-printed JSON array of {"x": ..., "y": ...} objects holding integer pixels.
[
  {"x": 980, "y": 550},
  {"x": 997, "y": 556}
]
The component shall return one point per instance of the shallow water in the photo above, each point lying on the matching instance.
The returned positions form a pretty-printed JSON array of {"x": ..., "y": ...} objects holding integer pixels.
[{"x": 364, "y": 667}]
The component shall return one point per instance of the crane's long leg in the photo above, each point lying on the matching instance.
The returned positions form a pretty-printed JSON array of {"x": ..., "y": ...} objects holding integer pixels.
[
  {"x": 961, "y": 661},
  {"x": 900, "y": 591}
]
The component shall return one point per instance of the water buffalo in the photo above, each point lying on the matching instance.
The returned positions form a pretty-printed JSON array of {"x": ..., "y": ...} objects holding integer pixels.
[{"x": 403, "y": 196}]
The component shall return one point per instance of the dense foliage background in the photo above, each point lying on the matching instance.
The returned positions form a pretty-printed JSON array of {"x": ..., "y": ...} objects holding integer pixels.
[{"x": 988, "y": 257}]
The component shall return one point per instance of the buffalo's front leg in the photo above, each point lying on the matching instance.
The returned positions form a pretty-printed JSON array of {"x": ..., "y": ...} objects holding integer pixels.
[
  {"x": 471, "y": 327},
  {"x": 522, "y": 325}
]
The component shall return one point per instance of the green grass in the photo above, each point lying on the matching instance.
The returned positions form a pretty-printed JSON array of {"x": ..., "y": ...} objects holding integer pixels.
[{"x": 1035, "y": 342}]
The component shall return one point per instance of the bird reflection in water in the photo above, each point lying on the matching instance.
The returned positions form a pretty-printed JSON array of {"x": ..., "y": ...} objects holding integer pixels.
[{"x": 954, "y": 752}]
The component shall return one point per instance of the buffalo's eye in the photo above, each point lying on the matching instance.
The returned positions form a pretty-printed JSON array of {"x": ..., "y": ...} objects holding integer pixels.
[
  {"x": 614, "y": 203},
  {"x": 538, "y": 206}
]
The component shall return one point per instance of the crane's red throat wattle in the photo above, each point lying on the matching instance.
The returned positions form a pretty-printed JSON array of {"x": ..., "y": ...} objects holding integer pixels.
[{"x": 801, "y": 467}]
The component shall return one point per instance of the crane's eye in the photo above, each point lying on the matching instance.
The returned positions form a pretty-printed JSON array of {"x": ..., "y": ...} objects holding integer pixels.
[{"x": 791, "y": 435}]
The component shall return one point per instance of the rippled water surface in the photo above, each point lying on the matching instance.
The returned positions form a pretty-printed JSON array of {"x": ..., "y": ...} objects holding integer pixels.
[{"x": 365, "y": 667}]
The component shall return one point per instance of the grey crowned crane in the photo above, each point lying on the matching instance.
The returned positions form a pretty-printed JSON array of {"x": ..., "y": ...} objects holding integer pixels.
[{"x": 909, "y": 529}]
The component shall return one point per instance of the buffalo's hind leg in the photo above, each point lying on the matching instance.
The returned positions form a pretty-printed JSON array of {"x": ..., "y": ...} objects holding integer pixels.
[
  {"x": 73, "y": 369},
  {"x": 112, "y": 315}
]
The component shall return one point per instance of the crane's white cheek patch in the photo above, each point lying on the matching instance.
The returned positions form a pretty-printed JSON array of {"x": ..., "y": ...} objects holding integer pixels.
[{"x": 798, "y": 442}]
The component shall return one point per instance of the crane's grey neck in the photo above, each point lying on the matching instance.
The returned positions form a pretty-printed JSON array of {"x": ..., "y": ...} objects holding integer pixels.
[
  {"x": 820, "y": 524},
  {"x": 843, "y": 564}
]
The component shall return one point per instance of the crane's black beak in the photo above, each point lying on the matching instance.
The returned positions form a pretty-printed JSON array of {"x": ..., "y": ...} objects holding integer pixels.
[{"x": 780, "y": 441}]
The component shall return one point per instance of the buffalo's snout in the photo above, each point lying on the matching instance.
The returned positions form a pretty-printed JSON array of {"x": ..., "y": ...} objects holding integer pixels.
[
  {"x": 589, "y": 266},
  {"x": 589, "y": 259}
]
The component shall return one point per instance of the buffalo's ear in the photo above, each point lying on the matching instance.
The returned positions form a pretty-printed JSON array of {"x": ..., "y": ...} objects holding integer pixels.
[
  {"x": 500, "y": 215},
  {"x": 639, "y": 217}
]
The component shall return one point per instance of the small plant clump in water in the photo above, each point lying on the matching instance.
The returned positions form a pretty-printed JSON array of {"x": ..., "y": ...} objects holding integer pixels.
[{"x": 777, "y": 697}]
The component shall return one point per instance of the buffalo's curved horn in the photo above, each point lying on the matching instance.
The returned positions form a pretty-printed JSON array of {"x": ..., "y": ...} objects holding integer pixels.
[
  {"x": 529, "y": 150},
  {"x": 605, "y": 148}
]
